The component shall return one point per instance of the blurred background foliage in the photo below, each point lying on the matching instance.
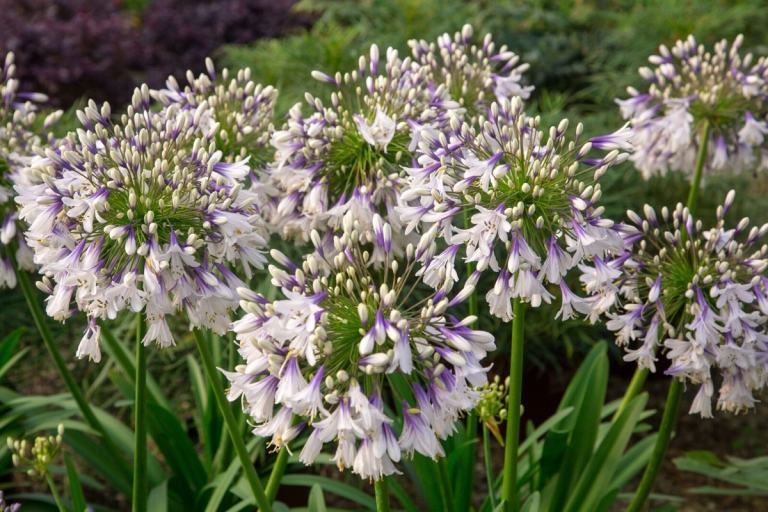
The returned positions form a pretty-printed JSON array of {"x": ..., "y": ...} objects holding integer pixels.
[{"x": 583, "y": 54}]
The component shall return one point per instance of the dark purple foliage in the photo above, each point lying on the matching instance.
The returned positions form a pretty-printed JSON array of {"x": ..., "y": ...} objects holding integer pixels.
[
  {"x": 72, "y": 49},
  {"x": 181, "y": 33}
]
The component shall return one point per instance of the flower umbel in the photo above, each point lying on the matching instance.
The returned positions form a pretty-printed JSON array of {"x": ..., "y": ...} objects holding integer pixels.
[
  {"x": 138, "y": 215},
  {"x": 469, "y": 72},
  {"x": 325, "y": 356},
  {"x": 346, "y": 156},
  {"x": 531, "y": 202},
  {"x": 688, "y": 87},
  {"x": 19, "y": 144},
  {"x": 698, "y": 296}
]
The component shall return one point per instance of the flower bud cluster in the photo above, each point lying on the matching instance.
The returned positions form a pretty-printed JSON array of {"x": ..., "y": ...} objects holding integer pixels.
[{"x": 469, "y": 72}]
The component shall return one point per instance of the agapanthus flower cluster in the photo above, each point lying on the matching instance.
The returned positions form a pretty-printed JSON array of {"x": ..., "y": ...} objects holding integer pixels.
[
  {"x": 346, "y": 156},
  {"x": 19, "y": 142},
  {"x": 238, "y": 113},
  {"x": 698, "y": 296},
  {"x": 690, "y": 87},
  {"x": 348, "y": 336},
  {"x": 141, "y": 214},
  {"x": 471, "y": 73},
  {"x": 521, "y": 204}
]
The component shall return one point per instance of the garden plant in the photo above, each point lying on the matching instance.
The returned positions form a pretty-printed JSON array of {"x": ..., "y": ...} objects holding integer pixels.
[{"x": 341, "y": 277}]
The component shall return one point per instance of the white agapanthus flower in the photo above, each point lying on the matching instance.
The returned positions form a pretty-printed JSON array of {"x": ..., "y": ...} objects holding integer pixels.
[
  {"x": 346, "y": 155},
  {"x": 518, "y": 204},
  {"x": 144, "y": 215},
  {"x": 698, "y": 297},
  {"x": 324, "y": 356},
  {"x": 19, "y": 144},
  {"x": 690, "y": 89}
]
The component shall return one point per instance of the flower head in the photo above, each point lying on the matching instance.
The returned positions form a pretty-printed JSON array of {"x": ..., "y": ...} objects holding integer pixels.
[
  {"x": 470, "y": 72},
  {"x": 139, "y": 215},
  {"x": 324, "y": 357},
  {"x": 689, "y": 87},
  {"x": 531, "y": 213},
  {"x": 347, "y": 154},
  {"x": 698, "y": 296},
  {"x": 19, "y": 144},
  {"x": 236, "y": 112}
]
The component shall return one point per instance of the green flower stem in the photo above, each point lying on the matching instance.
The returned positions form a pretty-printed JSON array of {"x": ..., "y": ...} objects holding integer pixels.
[
  {"x": 634, "y": 389},
  {"x": 382, "y": 495},
  {"x": 273, "y": 485},
  {"x": 701, "y": 159},
  {"x": 489, "y": 466},
  {"x": 445, "y": 483},
  {"x": 512, "y": 441},
  {"x": 675, "y": 387},
  {"x": 231, "y": 423},
  {"x": 69, "y": 380},
  {"x": 139, "y": 491},
  {"x": 55, "y": 493},
  {"x": 662, "y": 442},
  {"x": 467, "y": 482}
]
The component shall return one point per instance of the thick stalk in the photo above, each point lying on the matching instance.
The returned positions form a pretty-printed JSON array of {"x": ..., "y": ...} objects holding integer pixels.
[
  {"x": 382, "y": 495},
  {"x": 273, "y": 484},
  {"x": 489, "y": 466},
  {"x": 139, "y": 493},
  {"x": 512, "y": 440},
  {"x": 660, "y": 449},
  {"x": 701, "y": 159},
  {"x": 230, "y": 423},
  {"x": 634, "y": 389},
  {"x": 69, "y": 380}
]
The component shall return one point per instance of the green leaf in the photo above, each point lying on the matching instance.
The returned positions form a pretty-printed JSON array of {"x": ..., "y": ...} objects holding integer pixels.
[
  {"x": 575, "y": 441},
  {"x": 126, "y": 361},
  {"x": 175, "y": 445},
  {"x": 75, "y": 489},
  {"x": 93, "y": 455},
  {"x": 4, "y": 368},
  {"x": 532, "y": 503},
  {"x": 402, "y": 496},
  {"x": 316, "y": 501},
  {"x": 333, "y": 486},
  {"x": 596, "y": 478},
  {"x": 157, "y": 501},
  {"x": 221, "y": 485},
  {"x": 8, "y": 346}
]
